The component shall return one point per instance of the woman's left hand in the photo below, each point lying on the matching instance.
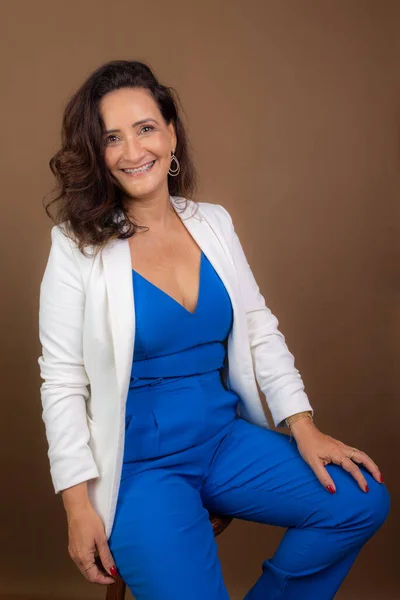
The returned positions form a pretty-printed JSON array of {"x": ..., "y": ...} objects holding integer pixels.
[{"x": 319, "y": 449}]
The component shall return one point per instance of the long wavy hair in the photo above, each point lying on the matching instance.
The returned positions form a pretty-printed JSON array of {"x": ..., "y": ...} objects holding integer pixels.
[{"x": 87, "y": 202}]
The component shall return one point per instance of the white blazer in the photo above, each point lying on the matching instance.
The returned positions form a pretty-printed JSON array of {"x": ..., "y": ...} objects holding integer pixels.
[{"x": 87, "y": 332}]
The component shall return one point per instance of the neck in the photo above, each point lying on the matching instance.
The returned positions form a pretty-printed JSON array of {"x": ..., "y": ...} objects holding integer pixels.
[{"x": 156, "y": 213}]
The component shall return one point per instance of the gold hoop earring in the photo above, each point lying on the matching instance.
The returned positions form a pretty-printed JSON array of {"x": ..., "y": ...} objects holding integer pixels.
[{"x": 174, "y": 172}]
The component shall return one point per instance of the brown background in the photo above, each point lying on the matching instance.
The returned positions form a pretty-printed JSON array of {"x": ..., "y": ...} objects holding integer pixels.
[{"x": 293, "y": 108}]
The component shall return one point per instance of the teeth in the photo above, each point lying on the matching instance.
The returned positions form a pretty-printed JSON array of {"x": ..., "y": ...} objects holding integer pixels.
[{"x": 140, "y": 169}]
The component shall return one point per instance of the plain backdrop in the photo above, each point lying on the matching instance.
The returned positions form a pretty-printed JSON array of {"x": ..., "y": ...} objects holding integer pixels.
[{"x": 293, "y": 114}]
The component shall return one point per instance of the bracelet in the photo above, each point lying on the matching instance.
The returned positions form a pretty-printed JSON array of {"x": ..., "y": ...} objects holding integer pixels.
[{"x": 296, "y": 417}]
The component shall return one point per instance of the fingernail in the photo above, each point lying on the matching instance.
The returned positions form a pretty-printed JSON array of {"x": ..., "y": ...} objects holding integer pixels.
[
  {"x": 113, "y": 571},
  {"x": 366, "y": 488},
  {"x": 382, "y": 479},
  {"x": 330, "y": 489}
]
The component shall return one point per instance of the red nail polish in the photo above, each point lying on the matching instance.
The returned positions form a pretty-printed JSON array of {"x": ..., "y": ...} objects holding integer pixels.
[
  {"x": 382, "y": 479},
  {"x": 113, "y": 571},
  {"x": 330, "y": 489},
  {"x": 366, "y": 488}
]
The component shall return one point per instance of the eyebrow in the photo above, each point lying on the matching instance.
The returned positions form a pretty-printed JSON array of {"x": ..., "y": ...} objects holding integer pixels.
[{"x": 141, "y": 122}]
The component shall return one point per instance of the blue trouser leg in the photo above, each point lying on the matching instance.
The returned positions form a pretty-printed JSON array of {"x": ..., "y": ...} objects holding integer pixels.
[
  {"x": 259, "y": 476},
  {"x": 162, "y": 540}
]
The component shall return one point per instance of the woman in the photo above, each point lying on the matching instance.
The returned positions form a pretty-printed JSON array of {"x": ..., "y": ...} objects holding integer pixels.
[{"x": 154, "y": 333}]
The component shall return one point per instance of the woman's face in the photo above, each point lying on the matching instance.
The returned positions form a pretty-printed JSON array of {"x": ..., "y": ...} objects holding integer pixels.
[{"x": 135, "y": 136}]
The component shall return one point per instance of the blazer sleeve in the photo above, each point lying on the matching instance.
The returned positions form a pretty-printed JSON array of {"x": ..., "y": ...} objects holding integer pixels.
[
  {"x": 64, "y": 391},
  {"x": 273, "y": 364}
]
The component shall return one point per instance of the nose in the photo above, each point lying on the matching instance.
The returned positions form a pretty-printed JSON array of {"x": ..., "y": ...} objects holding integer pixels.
[{"x": 132, "y": 151}]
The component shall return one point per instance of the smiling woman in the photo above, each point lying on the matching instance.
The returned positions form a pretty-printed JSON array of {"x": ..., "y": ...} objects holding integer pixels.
[
  {"x": 152, "y": 352},
  {"x": 122, "y": 134}
]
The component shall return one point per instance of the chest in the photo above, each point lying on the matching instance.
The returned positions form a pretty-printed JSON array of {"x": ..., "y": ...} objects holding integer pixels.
[{"x": 172, "y": 265}]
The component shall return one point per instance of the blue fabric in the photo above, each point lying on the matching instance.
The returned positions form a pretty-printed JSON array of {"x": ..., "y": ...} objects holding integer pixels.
[
  {"x": 176, "y": 369},
  {"x": 171, "y": 341},
  {"x": 188, "y": 454}
]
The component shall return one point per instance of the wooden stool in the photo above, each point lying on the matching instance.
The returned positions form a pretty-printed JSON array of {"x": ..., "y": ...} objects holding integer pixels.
[{"x": 116, "y": 591}]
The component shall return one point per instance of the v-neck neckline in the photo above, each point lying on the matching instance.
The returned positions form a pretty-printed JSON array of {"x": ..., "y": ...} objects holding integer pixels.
[{"x": 173, "y": 299}]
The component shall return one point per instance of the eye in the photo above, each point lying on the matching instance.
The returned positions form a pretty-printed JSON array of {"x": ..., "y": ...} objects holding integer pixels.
[
  {"x": 110, "y": 139},
  {"x": 147, "y": 127}
]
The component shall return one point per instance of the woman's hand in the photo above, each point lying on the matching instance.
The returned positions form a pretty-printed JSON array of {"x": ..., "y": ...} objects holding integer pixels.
[
  {"x": 319, "y": 449},
  {"x": 86, "y": 536}
]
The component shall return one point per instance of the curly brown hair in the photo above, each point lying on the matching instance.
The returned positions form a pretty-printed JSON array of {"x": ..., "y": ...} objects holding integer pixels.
[{"x": 88, "y": 203}]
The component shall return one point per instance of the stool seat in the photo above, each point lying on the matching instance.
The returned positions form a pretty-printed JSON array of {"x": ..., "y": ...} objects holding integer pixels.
[{"x": 116, "y": 591}]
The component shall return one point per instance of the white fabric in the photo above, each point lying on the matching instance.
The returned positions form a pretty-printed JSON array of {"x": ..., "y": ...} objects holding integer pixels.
[{"x": 87, "y": 332}]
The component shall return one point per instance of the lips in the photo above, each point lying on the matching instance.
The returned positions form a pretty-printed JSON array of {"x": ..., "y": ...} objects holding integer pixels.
[{"x": 135, "y": 171}]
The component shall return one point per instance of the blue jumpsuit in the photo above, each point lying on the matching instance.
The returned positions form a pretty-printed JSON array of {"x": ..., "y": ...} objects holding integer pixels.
[{"x": 187, "y": 454}]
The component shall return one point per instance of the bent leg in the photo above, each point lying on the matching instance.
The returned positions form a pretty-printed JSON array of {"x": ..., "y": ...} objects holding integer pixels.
[
  {"x": 257, "y": 475},
  {"x": 162, "y": 540}
]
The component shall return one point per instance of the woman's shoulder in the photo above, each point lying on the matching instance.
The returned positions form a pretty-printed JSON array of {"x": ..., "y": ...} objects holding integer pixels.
[
  {"x": 60, "y": 237},
  {"x": 207, "y": 210},
  {"x": 65, "y": 245},
  {"x": 218, "y": 214}
]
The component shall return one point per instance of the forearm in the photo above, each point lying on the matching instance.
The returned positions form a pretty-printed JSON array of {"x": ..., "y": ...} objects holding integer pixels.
[{"x": 76, "y": 498}]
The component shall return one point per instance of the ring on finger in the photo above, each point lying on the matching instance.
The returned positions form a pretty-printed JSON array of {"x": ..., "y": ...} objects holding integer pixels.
[
  {"x": 352, "y": 454},
  {"x": 90, "y": 566}
]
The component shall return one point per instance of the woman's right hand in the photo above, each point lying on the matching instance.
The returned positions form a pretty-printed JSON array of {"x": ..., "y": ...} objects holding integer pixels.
[{"x": 87, "y": 537}]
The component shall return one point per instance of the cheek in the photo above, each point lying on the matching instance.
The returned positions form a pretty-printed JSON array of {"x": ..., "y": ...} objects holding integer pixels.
[
  {"x": 110, "y": 158},
  {"x": 160, "y": 146}
]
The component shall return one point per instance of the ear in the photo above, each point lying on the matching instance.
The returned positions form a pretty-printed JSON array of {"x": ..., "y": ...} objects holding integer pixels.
[{"x": 172, "y": 134}]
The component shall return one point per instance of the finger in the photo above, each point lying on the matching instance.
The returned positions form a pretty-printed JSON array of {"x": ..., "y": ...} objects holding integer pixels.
[
  {"x": 106, "y": 557},
  {"x": 323, "y": 476},
  {"x": 93, "y": 574},
  {"x": 86, "y": 563},
  {"x": 363, "y": 459},
  {"x": 349, "y": 466}
]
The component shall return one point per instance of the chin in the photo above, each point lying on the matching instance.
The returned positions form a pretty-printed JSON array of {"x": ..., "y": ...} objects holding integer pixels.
[{"x": 141, "y": 191}]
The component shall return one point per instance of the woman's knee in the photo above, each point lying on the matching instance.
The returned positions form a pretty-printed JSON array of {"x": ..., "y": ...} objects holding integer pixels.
[
  {"x": 357, "y": 510},
  {"x": 378, "y": 504},
  {"x": 372, "y": 508}
]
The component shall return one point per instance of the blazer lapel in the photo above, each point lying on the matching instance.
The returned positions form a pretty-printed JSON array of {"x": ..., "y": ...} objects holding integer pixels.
[
  {"x": 202, "y": 231},
  {"x": 118, "y": 275},
  {"x": 121, "y": 307}
]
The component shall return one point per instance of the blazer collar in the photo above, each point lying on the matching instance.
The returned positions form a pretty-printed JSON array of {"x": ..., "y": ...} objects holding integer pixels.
[{"x": 117, "y": 266}]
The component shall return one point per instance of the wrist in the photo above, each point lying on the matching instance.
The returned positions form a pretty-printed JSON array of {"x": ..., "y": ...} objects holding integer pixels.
[
  {"x": 300, "y": 422},
  {"x": 302, "y": 425}
]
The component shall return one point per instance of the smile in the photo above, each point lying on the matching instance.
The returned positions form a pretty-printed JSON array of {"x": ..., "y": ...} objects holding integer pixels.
[{"x": 144, "y": 169}]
